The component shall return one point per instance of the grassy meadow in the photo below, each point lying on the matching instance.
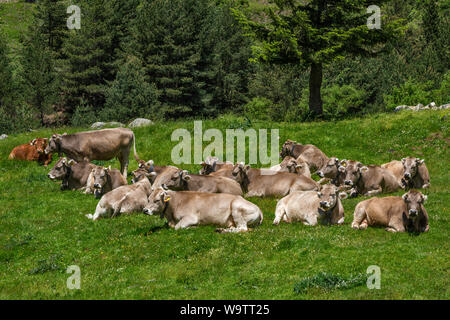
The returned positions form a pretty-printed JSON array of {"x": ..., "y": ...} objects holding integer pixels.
[{"x": 44, "y": 230}]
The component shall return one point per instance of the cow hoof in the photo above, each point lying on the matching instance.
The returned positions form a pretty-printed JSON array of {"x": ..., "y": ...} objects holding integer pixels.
[
  {"x": 220, "y": 230},
  {"x": 89, "y": 216}
]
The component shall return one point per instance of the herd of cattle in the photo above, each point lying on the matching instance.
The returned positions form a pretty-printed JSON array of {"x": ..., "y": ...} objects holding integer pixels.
[{"x": 216, "y": 195}]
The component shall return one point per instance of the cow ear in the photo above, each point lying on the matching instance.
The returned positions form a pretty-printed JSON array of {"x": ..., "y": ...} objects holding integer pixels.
[
  {"x": 186, "y": 177},
  {"x": 149, "y": 163},
  {"x": 425, "y": 198},
  {"x": 363, "y": 169},
  {"x": 33, "y": 142},
  {"x": 203, "y": 164},
  {"x": 319, "y": 194},
  {"x": 246, "y": 168},
  {"x": 336, "y": 161},
  {"x": 343, "y": 195},
  {"x": 420, "y": 161},
  {"x": 152, "y": 174},
  {"x": 405, "y": 197},
  {"x": 343, "y": 163},
  {"x": 64, "y": 134},
  {"x": 403, "y": 160},
  {"x": 71, "y": 162}
]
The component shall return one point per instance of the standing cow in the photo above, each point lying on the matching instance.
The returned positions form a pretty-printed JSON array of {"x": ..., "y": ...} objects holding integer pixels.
[
  {"x": 103, "y": 144},
  {"x": 396, "y": 214},
  {"x": 411, "y": 172},
  {"x": 32, "y": 151}
]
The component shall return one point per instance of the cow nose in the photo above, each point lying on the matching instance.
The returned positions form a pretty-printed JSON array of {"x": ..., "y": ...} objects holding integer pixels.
[
  {"x": 413, "y": 212},
  {"x": 348, "y": 182},
  {"x": 320, "y": 174},
  {"x": 407, "y": 175},
  {"x": 323, "y": 203},
  {"x": 96, "y": 185},
  {"x": 146, "y": 211}
]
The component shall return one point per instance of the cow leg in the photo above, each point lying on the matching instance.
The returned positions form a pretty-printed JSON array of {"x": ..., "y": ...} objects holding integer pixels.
[
  {"x": 359, "y": 216},
  {"x": 374, "y": 192},
  {"x": 280, "y": 213},
  {"x": 390, "y": 229},
  {"x": 186, "y": 222}
]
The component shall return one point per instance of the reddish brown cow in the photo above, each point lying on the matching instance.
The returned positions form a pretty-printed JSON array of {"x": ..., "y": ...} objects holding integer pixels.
[{"x": 32, "y": 151}]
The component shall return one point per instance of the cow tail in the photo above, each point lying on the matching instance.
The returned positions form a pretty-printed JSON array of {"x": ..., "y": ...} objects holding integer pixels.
[{"x": 134, "y": 148}]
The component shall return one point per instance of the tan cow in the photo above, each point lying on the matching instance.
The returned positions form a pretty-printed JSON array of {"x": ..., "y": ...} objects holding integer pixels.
[
  {"x": 74, "y": 175},
  {"x": 368, "y": 180},
  {"x": 102, "y": 180},
  {"x": 311, "y": 207},
  {"x": 183, "y": 181},
  {"x": 292, "y": 165},
  {"x": 330, "y": 171},
  {"x": 312, "y": 155},
  {"x": 123, "y": 200},
  {"x": 397, "y": 214},
  {"x": 411, "y": 172},
  {"x": 256, "y": 183},
  {"x": 212, "y": 164},
  {"x": 184, "y": 209},
  {"x": 103, "y": 144}
]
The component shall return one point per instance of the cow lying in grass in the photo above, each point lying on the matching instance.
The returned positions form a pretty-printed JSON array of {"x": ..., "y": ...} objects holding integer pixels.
[
  {"x": 312, "y": 207},
  {"x": 183, "y": 181},
  {"x": 312, "y": 155},
  {"x": 123, "y": 200},
  {"x": 397, "y": 214},
  {"x": 330, "y": 172},
  {"x": 292, "y": 165},
  {"x": 212, "y": 164},
  {"x": 411, "y": 172},
  {"x": 184, "y": 209},
  {"x": 32, "y": 151},
  {"x": 258, "y": 183},
  {"x": 368, "y": 180},
  {"x": 74, "y": 175},
  {"x": 102, "y": 180}
]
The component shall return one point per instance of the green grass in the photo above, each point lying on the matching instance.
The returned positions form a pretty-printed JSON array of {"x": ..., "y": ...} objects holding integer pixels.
[{"x": 44, "y": 230}]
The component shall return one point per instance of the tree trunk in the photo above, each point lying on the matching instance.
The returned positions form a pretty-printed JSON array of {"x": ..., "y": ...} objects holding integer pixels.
[{"x": 315, "y": 83}]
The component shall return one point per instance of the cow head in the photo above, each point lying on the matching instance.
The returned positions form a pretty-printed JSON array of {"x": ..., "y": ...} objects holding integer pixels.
[
  {"x": 352, "y": 170},
  {"x": 54, "y": 144},
  {"x": 286, "y": 149},
  {"x": 141, "y": 173},
  {"x": 411, "y": 166},
  {"x": 61, "y": 169},
  {"x": 330, "y": 168},
  {"x": 158, "y": 202},
  {"x": 296, "y": 166},
  {"x": 329, "y": 196},
  {"x": 414, "y": 203},
  {"x": 209, "y": 165},
  {"x": 240, "y": 174},
  {"x": 178, "y": 180},
  {"x": 101, "y": 176},
  {"x": 40, "y": 144}
]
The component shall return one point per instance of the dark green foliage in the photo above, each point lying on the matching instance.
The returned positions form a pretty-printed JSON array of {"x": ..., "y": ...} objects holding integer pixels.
[
  {"x": 130, "y": 95},
  {"x": 329, "y": 281}
]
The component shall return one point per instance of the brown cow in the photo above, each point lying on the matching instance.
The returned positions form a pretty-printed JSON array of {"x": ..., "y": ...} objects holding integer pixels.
[
  {"x": 183, "y": 181},
  {"x": 103, "y": 144},
  {"x": 368, "y": 180},
  {"x": 102, "y": 180},
  {"x": 184, "y": 209},
  {"x": 257, "y": 183},
  {"x": 74, "y": 175},
  {"x": 292, "y": 165},
  {"x": 397, "y": 214},
  {"x": 32, "y": 151},
  {"x": 411, "y": 172},
  {"x": 312, "y": 155},
  {"x": 331, "y": 171},
  {"x": 212, "y": 164}
]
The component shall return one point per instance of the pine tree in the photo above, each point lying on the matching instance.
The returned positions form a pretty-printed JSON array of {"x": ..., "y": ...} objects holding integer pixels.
[
  {"x": 313, "y": 34},
  {"x": 89, "y": 59}
]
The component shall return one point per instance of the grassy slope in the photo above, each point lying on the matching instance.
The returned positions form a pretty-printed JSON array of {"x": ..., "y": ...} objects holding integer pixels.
[{"x": 138, "y": 257}]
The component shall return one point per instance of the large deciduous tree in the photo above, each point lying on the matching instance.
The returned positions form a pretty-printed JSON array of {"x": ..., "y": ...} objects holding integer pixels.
[{"x": 313, "y": 34}]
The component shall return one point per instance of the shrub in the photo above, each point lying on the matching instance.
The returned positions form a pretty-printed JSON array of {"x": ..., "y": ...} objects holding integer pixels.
[
  {"x": 410, "y": 93},
  {"x": 84, "y": 115},
  {"x": 339, "y": 101},
  {"x": 259, "y": 108}
]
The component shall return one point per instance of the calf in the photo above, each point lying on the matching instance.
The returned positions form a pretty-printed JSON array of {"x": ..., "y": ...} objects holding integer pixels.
[
  {"x": 397, "y": 214},
  {"x": 74, "y": 175},
  {"x": 292, "y": 165},
  {"x": 123, "y": 200},
  {"x": 184, "y": 209},
  {"x": 32, "y": 151},
  {"x": 103, "y": 180},
  {"x": 411, "y": 172},
  {"x": 181, "y": 180},
  {"x": 368, "y": 180},
  {"x": 256, "y": 183},
  {"x": 312, "y": 155},
  {"x": 212, "y": 164},
  {"x": 103, "y": 144},
  {"x": 311, "y": 207}
]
